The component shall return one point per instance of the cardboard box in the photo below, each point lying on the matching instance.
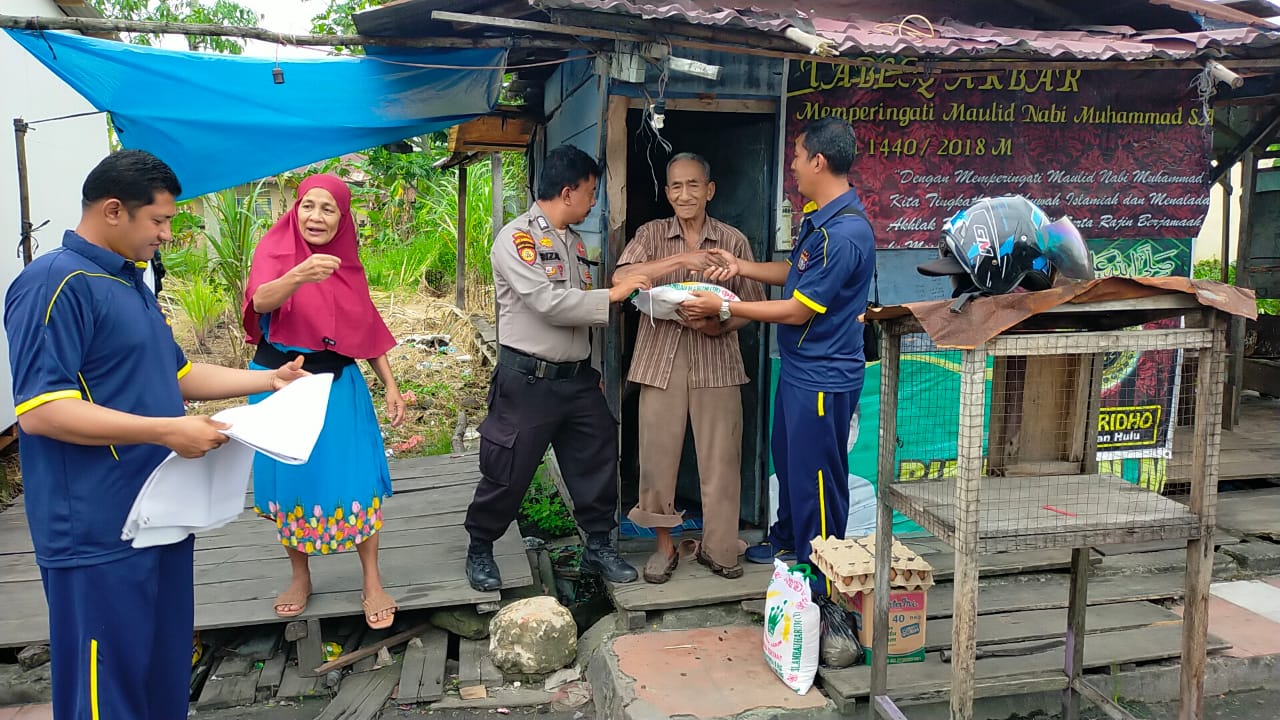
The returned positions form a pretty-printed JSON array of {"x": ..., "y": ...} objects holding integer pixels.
[
  {"x": 850, "y": 566},
  {"x": 907, "y": 613}
]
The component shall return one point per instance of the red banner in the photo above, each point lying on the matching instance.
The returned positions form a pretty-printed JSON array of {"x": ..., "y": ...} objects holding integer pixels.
[{"x": 1124, "y": 153}]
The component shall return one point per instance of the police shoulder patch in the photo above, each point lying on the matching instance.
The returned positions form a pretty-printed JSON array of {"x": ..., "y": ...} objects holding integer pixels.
[{"x": 524, "y": 246}]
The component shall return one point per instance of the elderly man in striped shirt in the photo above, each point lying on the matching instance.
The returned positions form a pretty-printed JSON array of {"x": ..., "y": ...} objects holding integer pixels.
[{"x": 689, "y": 370}]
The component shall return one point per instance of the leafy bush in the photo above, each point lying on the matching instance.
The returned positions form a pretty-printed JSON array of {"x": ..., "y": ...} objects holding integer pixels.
[
  {"x": 204, "y": 304},
  {"x": 543, "y": 512}
]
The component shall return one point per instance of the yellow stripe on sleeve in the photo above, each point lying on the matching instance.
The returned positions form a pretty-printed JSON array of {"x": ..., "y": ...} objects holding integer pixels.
[
  {"x": 814, "y": 306},
  {"x": 182, "y": 372},
  {"x": 48, "y": 397}
]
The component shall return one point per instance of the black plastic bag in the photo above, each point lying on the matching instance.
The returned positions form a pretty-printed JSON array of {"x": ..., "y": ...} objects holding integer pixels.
[{"x": 838, "y": 646}]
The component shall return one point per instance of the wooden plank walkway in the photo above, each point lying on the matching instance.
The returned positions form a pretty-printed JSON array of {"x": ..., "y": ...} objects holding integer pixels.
[
  {"x": 1251, "y": 451},
  {"x": 692, "y": 585},
  {"x": 1041, "y": 671},
  {"x": 240, "y": 568}
]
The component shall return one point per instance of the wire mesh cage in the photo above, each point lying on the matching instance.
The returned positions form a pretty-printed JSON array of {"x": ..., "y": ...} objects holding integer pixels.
[{"x": 1053, "y": 437}]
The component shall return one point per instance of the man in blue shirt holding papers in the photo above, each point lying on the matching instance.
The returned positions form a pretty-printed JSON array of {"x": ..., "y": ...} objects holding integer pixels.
[
  {"x": 99, "y": 385},
  {"x": 825, "y": 284}
]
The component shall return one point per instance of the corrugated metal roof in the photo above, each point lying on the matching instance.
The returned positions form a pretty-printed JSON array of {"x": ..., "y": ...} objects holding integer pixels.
[
  {"x": 1095, "y": 29},
  {"x": 879, "y": 27}
]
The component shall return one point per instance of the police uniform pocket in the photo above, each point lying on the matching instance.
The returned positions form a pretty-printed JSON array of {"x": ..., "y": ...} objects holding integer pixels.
[{"x": 497, "y": 449}]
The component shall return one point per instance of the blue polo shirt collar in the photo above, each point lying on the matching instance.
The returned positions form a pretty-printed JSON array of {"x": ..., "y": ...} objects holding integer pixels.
[
  {"x": 821, "y": 216},
  {"x": 107, "y": 260}
]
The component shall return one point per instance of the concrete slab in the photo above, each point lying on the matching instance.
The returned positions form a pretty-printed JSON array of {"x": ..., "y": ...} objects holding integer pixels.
[
  {"x": 1255, "y": 596},
  {"x": 1249, "y": 634},
  {"x": 1160, "y": 562},
  {"x": 705, "y": 673},
  {"x": 27, "y": 712},
  {"x": 1256, "y": 556}
]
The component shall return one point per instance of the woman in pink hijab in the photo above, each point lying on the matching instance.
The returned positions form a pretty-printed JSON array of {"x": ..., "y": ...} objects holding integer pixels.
[{"x": 307, "y": 294}]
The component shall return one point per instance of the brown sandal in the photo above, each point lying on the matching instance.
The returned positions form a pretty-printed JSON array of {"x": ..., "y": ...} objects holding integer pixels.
[
  {"x": 732, "y": 572},
  {"x": 659, "y": 567},
  {"x": 371, "y": 610},
  {"x": 298, "y": 599}
]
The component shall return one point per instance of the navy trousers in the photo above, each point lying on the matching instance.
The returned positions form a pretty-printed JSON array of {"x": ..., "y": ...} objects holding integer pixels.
[
  {"x": 811, "y": 458},
  {"x": 120, "y": 635}
]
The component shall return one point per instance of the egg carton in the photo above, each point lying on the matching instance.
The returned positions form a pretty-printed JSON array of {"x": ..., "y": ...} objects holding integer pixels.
[{"x": 851, "y": 564}]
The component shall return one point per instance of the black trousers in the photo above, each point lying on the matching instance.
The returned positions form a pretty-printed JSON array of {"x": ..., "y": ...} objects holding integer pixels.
[{"x": 526, "y": 414}]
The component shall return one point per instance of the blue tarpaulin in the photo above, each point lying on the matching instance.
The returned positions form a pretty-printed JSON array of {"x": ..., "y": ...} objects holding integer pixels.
[{"x": 221, "y": 120}]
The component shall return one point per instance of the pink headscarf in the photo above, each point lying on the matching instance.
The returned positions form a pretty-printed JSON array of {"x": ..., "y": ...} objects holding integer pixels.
[{"x": 338, "y": 308}]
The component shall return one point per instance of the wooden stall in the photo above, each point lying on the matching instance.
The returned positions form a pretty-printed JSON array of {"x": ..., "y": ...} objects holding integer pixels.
[{"x": 1028, "y": 475}]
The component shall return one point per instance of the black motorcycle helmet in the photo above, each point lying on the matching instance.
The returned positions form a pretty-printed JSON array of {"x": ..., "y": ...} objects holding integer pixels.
[{"x": 1000, "y": 244}]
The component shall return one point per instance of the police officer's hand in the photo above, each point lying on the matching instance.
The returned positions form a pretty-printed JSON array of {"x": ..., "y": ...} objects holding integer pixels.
[
  {"x": 626, "y": 285},
  {"x": 315, "y": 268},
  {"x": 724, "y": 266},
  {"x": 192, "y": 436}
]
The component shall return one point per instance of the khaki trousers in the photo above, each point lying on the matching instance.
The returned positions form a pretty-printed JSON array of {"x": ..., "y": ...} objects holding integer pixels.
[{"x": 717, "y": 432}]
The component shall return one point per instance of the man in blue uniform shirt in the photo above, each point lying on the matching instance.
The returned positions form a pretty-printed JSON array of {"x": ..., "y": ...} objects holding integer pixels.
[
  {"x": 99, "y": 384},
  {"x": 824, "y": 292}
]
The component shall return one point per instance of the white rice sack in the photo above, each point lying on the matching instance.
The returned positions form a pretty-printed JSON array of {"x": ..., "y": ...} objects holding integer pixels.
[
  {"x": 663, "y": 301},
  {"x": 792, "y": 627}
]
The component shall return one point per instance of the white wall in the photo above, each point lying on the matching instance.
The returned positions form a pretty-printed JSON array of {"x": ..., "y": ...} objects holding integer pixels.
[
  {"x": 1208, "y": 243},
  {"x": 59, "y": 155}
]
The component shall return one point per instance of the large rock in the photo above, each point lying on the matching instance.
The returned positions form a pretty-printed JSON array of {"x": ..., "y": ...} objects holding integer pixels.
[
  {"x": 22, "y": 687},
  {"x": 533, "y": 637}
]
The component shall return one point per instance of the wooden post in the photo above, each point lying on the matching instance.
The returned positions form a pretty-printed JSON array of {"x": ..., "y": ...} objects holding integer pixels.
[
  {"x": 1226, "y": 227},
  {"x": 1207, "y": 437},
  {"x": 460, "y": 269},
  {"x": 1089, "y": 402},
  {"x": 1248, "y": 187},
  {"x": 964, "y": 638},
  {"x": 496, "y": 201},
  {"x": 890, "y": 354},
  {"x": 612, "y": 346},
  {"x": 1077, "y": 604},
  {"x": 20, "y": 127}
]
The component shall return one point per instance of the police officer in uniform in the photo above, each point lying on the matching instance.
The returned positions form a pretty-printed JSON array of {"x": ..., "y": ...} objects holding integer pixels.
[{"x": 544, "y": 390}]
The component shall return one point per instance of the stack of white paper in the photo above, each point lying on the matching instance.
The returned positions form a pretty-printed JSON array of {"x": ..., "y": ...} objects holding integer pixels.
[{"x": 187, "y": 495}]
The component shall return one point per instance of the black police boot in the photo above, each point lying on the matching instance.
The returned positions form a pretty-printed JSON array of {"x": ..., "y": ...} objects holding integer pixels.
[
  {"x": 601, "y": 558},
  {"x": 482, "y": 569}
]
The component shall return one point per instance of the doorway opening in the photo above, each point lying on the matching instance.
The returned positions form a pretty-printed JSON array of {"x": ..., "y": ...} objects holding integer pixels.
[{"x": 741, "y": 148}]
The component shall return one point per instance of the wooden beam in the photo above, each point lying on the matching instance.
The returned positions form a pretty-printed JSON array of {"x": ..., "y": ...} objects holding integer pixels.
[
  {"x": 1012, "y": 63},
  {"x": 536, "y": 26},
  {"x": 648, "y": 27},
  {"x": 497, "y": 203},
  {"x": 101, "y": 25},
  {"x": 491, "y": 133},
  {"x": 460, "y": 267},
  {"x": 370, "y": 650},
  {"x": 1264, "y": 128},
  {"x": 711, "y": 104}
]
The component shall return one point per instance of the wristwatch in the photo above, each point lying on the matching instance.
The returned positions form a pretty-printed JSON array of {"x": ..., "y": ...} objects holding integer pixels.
[{"x": 724, "y": 311}]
